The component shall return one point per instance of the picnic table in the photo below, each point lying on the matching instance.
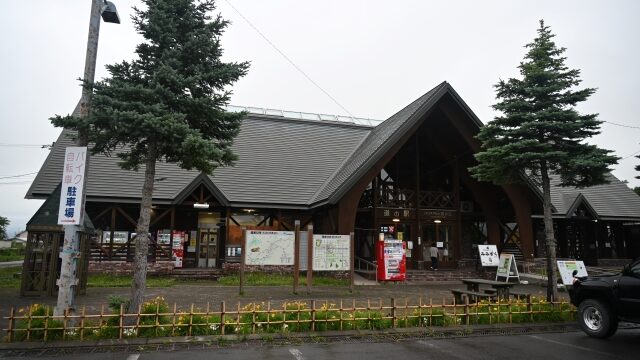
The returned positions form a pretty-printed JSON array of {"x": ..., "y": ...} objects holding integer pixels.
[{"x": 502, "y": 288}]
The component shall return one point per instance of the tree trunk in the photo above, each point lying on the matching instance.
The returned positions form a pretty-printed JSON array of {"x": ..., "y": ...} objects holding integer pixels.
[
  {"x": 139, "y": 283},
  {"x": 550, "y": 241}
]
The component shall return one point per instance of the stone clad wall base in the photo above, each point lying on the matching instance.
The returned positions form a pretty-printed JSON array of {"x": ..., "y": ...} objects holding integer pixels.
[
  {"x": 234, "y": 268},
  {"x": 126, "y": 268}
]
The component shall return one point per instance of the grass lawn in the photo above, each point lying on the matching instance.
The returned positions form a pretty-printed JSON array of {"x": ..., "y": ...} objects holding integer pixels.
[
  {"x": 262, "y": 279},
  {"x": 9, "y": 280}
]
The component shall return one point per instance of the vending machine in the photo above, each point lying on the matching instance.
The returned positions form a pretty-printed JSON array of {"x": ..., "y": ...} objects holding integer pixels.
[
  {"x": 392, "y": 261},
  {"x": 177, "y": 248}
]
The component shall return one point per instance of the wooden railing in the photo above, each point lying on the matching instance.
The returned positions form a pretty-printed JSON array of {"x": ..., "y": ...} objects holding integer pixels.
[
  {"x": 360, "y": 264},
  {"x": 405, "y": 198},
  {"x": 155, "y": 318}
]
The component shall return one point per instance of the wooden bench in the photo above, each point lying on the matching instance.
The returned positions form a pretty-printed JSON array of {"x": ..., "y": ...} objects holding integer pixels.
[
  {"x": 514, "y": 294},
  {"x": 473, "y": 296}
]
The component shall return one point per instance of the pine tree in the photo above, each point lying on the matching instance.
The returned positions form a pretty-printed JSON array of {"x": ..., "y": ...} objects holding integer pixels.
[
  {"x": 4, "y": 222},
  {"x": 541, "y": 133},
  {"x": 165, "y": 105}
]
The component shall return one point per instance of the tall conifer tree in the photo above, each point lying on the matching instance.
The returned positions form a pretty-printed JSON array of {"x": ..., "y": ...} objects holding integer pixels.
[
  {"x": 540, "y": 133},
  {"x": 165, "y": 105}
]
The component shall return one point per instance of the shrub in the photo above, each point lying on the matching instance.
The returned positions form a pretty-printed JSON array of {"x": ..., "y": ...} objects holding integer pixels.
[{"x": 37, "y": 325}]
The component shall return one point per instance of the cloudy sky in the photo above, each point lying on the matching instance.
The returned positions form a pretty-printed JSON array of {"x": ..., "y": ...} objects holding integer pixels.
[{"x": 372, "y": 57}]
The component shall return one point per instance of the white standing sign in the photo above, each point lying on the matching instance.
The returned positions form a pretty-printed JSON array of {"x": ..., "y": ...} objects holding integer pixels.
[
  {"x": 269, "y": 247},
  {"x": 73, "y": 173},
  {"x": 488, "y": 255},
  {"x": 507, "y": 268},
  {"x": 567, "y": 267}
]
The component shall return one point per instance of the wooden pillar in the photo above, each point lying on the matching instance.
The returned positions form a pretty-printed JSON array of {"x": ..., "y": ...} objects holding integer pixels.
[
  {"x": 455, "y": 173},
  {"x": 418, "y": 245}
]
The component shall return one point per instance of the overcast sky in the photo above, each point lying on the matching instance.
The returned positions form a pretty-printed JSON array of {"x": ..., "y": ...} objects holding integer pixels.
[{"x": 373, "y": 57}]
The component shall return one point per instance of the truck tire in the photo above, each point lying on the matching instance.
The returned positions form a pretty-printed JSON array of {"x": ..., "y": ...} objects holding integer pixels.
[{"x": 597, "y": 319}]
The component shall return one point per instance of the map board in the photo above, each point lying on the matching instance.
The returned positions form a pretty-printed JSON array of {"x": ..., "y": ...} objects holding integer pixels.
[
  {"x": 331, "y": 252},
  {"x": 488, "y": 255},
  {"x": 566, "y": 270},
  {"x": 269, "y": 247}
]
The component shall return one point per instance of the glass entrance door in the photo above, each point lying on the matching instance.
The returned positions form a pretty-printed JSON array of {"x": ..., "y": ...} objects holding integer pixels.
[
  {"x": 207, "y": 248},
  {"x": 442, "y": 236}
]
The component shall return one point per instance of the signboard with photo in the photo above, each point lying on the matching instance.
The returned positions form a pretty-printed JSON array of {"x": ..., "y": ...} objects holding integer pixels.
[{"x": 567, "y": 267}]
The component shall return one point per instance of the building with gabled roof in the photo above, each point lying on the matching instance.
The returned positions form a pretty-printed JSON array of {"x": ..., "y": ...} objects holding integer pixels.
[{"x": 405, "y": 177}]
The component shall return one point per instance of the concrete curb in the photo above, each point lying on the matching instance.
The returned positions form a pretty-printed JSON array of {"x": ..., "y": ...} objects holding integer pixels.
[{"x": 434, "y": 332}]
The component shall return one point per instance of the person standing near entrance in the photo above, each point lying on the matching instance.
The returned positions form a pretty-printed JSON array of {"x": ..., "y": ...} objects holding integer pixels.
[{"x": 433, "y": 253}]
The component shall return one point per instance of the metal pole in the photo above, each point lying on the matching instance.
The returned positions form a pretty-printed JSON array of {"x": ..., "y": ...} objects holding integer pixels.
[{"x": 70, "y": 249}]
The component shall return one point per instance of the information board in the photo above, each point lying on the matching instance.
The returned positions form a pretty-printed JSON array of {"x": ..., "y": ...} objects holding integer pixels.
[
  {"x": 331, "y": 252},
  {"x": 269, "y": 247},
  {"x": 488, "y": 255},
  {"x": 566, "y": 268}
]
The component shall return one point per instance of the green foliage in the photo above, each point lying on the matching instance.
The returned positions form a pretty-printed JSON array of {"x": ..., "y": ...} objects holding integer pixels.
[
  {"x": 37, "y": 325},
  {"x": 540, "y": 133},
  {"x": 4, "y": 222},
  {"x": 168, "y": 103},
  {"x": 262, "y": 279},
  {"x": 107, "y": 280},
  {"x": 12, "y": 254},
  {"x": 539, "y": 129},
  {"x": 9, "y": 278},
  {"x": 637, "y": 190},
  {"x": 156, "y": 320}
]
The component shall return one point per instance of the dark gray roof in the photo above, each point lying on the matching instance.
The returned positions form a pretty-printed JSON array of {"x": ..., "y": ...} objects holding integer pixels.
[
  {"x": 295, "y": 163},
  {"x": 614, "y": 200},
  {"x": 281, "y": 161}
]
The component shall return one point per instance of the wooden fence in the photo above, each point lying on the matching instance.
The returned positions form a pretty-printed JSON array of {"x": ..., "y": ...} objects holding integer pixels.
[{"x": 156, "y": 318}]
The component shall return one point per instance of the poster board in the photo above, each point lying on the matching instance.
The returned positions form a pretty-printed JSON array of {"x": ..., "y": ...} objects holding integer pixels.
[
  {"x": 566, "y": 268},
  {"x": 507, "y": 268},
  {"x": 331, "y": 252},
  {"x": 269, "y": 247},
  {"x": 488, "y": 255}
]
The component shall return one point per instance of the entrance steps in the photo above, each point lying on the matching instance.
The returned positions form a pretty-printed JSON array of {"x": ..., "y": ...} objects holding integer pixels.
[{"x": 197, "y": 273}]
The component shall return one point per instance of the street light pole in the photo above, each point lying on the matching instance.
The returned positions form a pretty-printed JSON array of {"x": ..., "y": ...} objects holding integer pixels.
[{"x": 70, "y": 249}]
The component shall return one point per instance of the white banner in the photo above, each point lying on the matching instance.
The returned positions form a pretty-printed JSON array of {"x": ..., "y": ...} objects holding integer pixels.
[{"x": 73, "y": 174}]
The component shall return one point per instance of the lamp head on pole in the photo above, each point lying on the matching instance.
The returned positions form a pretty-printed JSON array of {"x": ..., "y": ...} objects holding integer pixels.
[{"x": 110, "y": 13}]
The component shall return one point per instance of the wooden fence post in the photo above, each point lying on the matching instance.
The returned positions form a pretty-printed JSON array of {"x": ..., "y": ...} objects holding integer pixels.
[
  {"x": 309, "y": 257},
  {"x": 352, "y": 256},
  {"x": 393, "y": 313},
  {"x": 313, "y": 315},
  {"x": 222, "y": 317},
  {"x": 296, "y": 259},
  {"x": 243, "y": 256},
  {"x": 11, "y": 324}
]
